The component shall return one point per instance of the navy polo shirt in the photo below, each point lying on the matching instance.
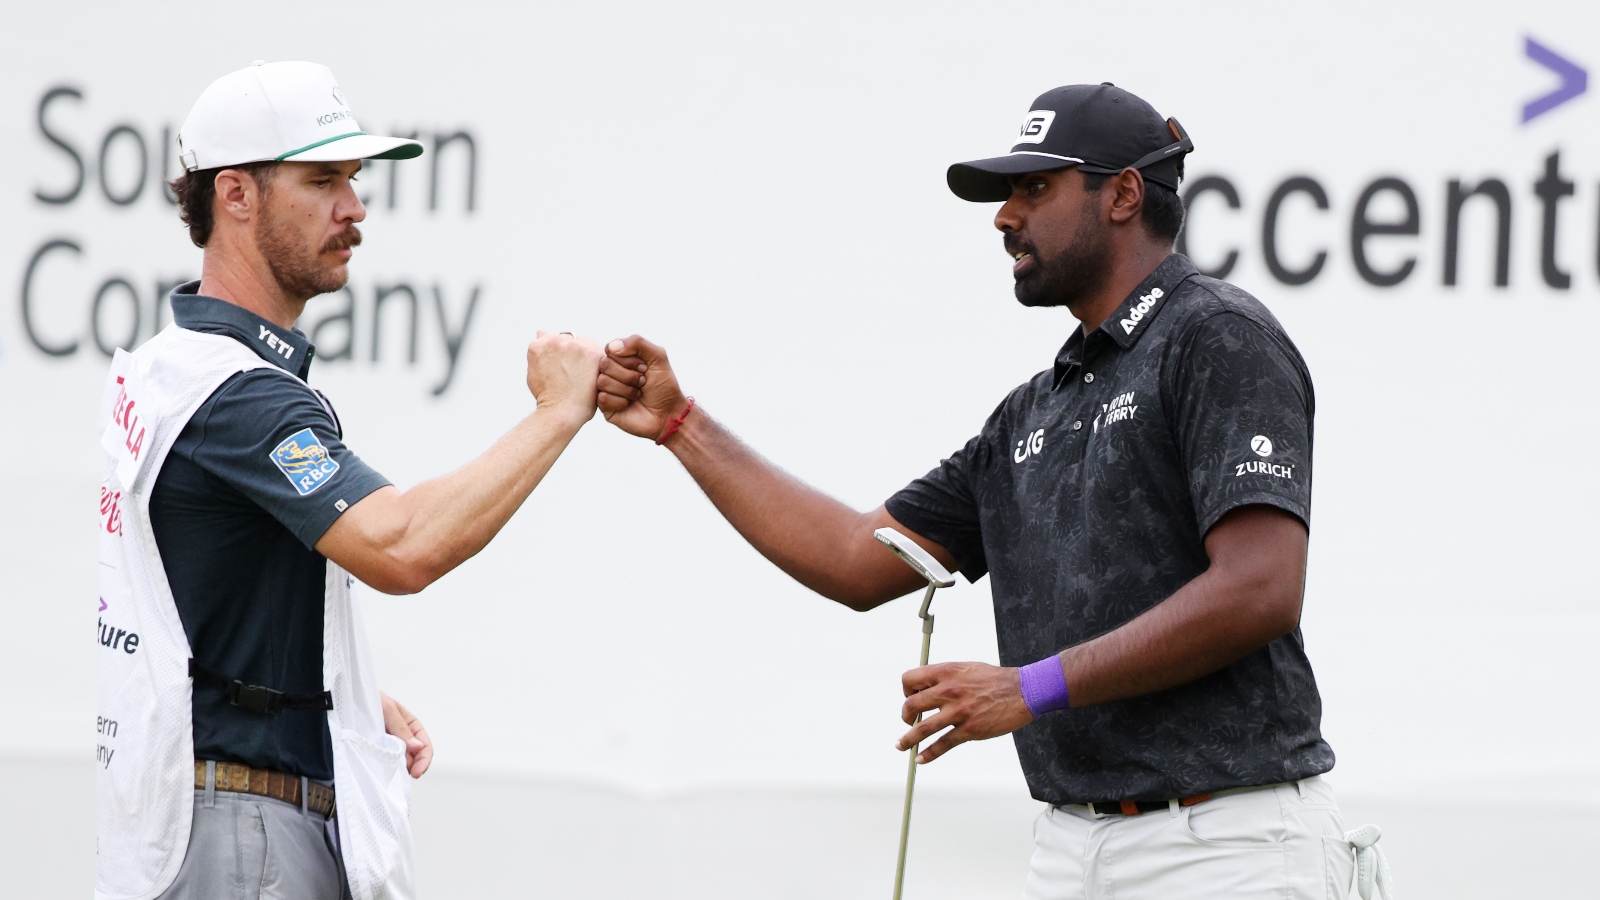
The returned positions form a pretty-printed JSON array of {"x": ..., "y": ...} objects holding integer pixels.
[
  {"x": 237, "y": 507},
  {"x": 1087, "y": 497}
]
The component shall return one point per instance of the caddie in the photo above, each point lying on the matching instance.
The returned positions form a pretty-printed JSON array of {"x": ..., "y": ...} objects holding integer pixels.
[
  {"x": 246, "y": 750},
  {"x": 1142, "y": 506}
]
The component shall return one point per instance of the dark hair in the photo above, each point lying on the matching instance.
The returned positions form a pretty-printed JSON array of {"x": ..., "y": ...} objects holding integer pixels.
[
  {"x": 196, "y": 192},
  {"x": 1162, "y": 212}
]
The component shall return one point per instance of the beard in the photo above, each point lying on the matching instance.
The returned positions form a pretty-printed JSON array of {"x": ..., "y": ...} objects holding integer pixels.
[
  {"x": 300, "y": 272},
  {"x": 1073, "y": 275}
]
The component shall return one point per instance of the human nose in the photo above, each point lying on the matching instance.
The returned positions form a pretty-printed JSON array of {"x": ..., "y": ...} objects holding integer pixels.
[
  {"x": 350, "y": 208},
  {"x": 1008, "y": 219}
]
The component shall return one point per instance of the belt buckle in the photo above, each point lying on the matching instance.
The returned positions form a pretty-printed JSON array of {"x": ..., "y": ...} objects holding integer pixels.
[{"x": 1097, "y": 814}]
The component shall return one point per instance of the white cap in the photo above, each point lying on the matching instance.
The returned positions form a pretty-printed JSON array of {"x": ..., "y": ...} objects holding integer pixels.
[{"x": 284, "y": 111}]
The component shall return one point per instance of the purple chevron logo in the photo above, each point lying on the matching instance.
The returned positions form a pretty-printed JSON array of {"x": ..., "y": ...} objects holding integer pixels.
[{"x": 1574, "y": 80}]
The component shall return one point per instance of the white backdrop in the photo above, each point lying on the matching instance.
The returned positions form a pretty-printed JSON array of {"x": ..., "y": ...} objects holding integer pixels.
[{"x": 761, "y": 190}]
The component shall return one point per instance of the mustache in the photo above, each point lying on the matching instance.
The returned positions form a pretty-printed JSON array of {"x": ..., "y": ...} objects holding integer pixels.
[
  {"x": 350, "y": 237},
  {"x": 1015, "y": 245}
]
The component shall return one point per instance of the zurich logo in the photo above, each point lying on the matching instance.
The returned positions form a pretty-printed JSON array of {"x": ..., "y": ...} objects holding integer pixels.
[
  {"x": 304, "y": 461},
  {"x": 1262, "y": 445}
]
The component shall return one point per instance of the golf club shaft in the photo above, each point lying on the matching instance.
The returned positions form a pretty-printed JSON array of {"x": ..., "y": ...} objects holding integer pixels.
[{"x": 911, "y": 767}]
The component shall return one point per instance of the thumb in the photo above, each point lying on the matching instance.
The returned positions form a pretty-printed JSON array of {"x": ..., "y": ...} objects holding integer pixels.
[{"x": 634, "y": 345}]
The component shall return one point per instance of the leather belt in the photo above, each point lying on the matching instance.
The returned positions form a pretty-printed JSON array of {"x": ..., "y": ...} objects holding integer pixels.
[
  {"x": 1135, "y": 807},
  {"x": 267, "y": 783}
]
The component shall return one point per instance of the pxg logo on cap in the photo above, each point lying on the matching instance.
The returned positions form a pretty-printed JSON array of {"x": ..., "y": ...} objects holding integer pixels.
[
  {"x": 1100, "y": 128},
  {"x": 1036, "y": 126}
]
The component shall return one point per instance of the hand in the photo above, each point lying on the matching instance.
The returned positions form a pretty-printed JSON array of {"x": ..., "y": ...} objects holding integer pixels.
[
  {"x": 561, "y": 373},
  {"x": 399, "y": 721},
  {"x": 976, "y": 701},
  {"x": 638, "y": 391}
]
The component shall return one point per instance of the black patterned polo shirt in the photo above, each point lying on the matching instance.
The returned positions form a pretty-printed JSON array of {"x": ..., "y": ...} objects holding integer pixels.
[{"x": 1087, "y": 497}]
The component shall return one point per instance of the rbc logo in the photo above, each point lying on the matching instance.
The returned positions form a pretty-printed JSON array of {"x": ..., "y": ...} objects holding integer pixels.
[{"x": 304, "y": 461}]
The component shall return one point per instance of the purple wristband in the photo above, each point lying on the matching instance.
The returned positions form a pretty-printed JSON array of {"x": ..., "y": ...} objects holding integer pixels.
[{"x": 1044, "y": 686}]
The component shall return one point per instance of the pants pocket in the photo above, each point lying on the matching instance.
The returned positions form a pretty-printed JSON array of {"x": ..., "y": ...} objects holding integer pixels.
[
  {"x": 1250, "y": 819},
  {"x": 299, "y": 865},
  {"x": 1338, "y": 865}
]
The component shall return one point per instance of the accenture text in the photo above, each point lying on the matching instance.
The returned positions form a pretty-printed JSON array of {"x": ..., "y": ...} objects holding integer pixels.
[{"x": 1468, "y": 203}]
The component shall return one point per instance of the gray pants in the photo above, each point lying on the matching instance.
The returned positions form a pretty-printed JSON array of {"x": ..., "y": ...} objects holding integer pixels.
[{"x": 244, "y": 847}]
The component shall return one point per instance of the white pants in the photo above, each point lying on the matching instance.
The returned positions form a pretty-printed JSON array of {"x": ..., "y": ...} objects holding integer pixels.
[{"x": 1284, "y": 842}]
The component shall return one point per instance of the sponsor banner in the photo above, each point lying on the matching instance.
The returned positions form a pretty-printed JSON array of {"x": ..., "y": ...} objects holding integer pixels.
[{"x": 1413, "y": 192}]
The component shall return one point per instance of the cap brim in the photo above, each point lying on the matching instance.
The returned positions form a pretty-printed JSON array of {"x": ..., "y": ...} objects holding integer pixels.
[
  {"x": 356, "y": 146},
  {"x": 987, "y": 180}
]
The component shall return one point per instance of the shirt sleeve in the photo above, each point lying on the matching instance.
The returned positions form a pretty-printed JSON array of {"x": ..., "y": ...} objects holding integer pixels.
[
  {"x": 1244, "y": 418},
  {"x": 942, "y": 507},
  {"x": 267, "y": 435}
]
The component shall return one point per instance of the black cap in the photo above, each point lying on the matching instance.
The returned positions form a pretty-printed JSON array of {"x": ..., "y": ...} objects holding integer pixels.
[{"x": 1100, "y": 128}]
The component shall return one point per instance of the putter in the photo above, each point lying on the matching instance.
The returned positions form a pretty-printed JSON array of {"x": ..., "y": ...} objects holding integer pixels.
[{"x": 928, "y": 567}]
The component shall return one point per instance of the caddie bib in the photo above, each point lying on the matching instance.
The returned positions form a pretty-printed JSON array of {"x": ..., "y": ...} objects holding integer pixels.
[{"x": 145, "y": 752}]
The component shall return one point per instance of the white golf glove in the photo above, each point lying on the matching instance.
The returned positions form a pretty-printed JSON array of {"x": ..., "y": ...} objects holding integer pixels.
[{"x": 1371, "y": 865}]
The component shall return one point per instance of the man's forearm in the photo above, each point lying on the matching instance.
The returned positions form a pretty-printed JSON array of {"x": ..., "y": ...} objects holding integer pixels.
[
  {"x": 402, "y": 542},
  {"x": 814, "y": 538},
  {"x": 1203, "y": 627},
  {"x": 1249, "y": 597}
]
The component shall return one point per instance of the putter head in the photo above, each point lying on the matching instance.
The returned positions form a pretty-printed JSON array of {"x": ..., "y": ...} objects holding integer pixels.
[{"x": 914, "y": 556}]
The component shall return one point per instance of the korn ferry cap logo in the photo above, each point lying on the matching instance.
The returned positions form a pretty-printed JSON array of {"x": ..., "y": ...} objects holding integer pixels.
[{"x": 304, "y": 461}]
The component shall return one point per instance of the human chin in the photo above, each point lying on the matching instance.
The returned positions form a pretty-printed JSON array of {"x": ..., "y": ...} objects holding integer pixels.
[
  {"x": 333, "y": 278},
  {"x": 1035, "y": 287}
]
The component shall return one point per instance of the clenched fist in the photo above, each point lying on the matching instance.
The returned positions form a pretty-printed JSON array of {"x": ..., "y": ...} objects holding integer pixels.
[
  {"x": 638, "y": 391},
  {"x": 562, "y": 370}
]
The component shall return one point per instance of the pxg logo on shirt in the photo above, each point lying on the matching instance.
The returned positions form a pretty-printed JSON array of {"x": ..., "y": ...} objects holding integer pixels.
[{"x": 304, "y": 461}]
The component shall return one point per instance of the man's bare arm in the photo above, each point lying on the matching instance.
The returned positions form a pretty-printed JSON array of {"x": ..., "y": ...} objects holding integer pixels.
[
  {"x": 820, "y": 542},
  {"x": 1248, "y": 597},
  {"x": 400, "y": 543}
]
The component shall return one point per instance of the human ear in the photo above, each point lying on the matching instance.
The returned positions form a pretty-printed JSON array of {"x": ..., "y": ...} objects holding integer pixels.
[
  {"x": 237, "y": 194},
  {"x": 1127, "y": 195}
]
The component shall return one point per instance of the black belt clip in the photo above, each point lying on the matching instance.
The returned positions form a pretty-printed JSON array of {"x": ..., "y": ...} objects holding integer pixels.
[
  {"x": 259, "y": 698},
  {"x": 254, "y": 697}
]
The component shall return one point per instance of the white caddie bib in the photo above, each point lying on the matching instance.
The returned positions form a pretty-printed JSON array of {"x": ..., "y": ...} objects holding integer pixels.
[{"x": 145, "y": 754}]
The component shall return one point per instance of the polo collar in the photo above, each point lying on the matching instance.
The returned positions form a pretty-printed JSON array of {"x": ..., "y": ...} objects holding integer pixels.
[
  {"x": 1133, "y": 317},
  {"x": 287, "y": 349}
]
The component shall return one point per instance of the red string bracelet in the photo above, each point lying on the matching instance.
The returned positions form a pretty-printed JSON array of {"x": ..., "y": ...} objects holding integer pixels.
[{"x": 674, "y": 424}]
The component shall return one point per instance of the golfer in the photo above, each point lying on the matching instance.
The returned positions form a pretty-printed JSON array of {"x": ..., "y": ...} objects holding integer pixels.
[
  {"x": 245, "y": 750},
  {"x": 1142, "y": 505}
]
